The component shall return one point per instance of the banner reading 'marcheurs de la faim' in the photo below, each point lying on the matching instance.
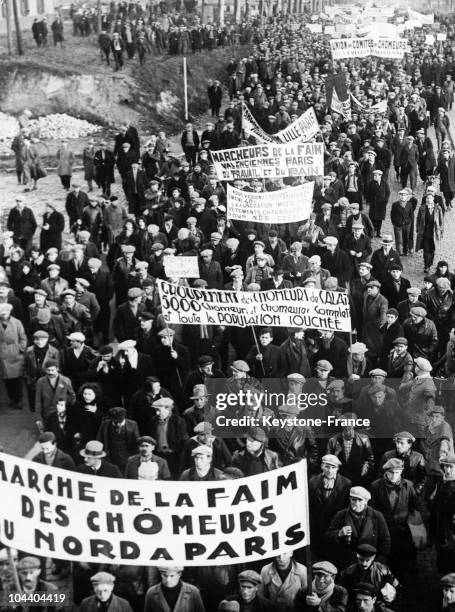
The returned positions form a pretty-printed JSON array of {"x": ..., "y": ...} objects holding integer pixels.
[
  {"x": 270, "y": 161},
  {"x": 56, "y": 513},
  {"x": 297, "y": 307}
]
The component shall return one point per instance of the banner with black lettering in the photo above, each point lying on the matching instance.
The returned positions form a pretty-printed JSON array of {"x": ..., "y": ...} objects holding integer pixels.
[
  {"x": 297, "y": 307},
  {"x": 56, "y": 513},
  {"x": 303, "y": 129},
  {"x": 269, "y": 161},
  {"x": 284, "y": 206},
  {"x": 388, "y": 48}
]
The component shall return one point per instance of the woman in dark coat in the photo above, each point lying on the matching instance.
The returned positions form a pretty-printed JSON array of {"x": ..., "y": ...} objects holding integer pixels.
[
  {"x": 88, "y": 412},
  {"x": 52, "y": 229}
]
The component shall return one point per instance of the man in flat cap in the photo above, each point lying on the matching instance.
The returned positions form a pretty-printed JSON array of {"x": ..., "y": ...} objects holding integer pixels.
[
  {"x": 29, "y": 572},
  {"x": 409, "y": 160},
  {"x": 126, "y": 323},
  {"x": 374, "y": 315},
  {"x": 366, "y": 596},
  {"x": 414, "y": 468},
  {"x": 248, "y": 596},
  {"x": 396, "y": 498},
  {"x": 325, "y": 593},
  {"x": 203, "y": 435},
  {"x": 447, "y": 583},
  {"x": 256, "y": 458},
  {"x": 413, "y": 299},
  {"x": 336, "y": 261},
  {"x": 54, "y": 285},
  {"x": 146, "y": 455},
  {"x": 172, "y": 360},
  {"x": 328, "y": 493},
  {"x": 367, "y": 569},
  {"x": 104, "y": 597},
  {"x": 202, "y": 469},
  {"x": 377, "y": 194},
  {"x": 121, "y": 270},
  {"x": 36, "y": 357},
  {"x": 132, "y": 368},
  {"x": 421, "y": 334},
  {"x": 172, "y": 593},
  {"x": 76, "y": 316},
  {"x": 357, "y": 524},
  {"x": 168, "y": 428}
]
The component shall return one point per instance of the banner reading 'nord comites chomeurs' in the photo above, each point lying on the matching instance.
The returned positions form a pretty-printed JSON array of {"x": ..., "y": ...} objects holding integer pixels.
[
  {"x": 388, "y": 48},
  {"x": 270, "y": 161},
  {"x": 65, "y": 515},
  {"x": 297, "y": 307}
]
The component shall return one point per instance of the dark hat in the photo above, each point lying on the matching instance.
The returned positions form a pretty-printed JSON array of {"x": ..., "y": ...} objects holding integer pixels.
[
  {"x": 249, "y": 576},
  {"x": 400, "y": 340},
  {"x": 392, "y": 311},
  {"x": 118, "y": 412},
  {"x": 448, "y": 580},
  {"x": 258, "y": 434},
  {"x": 102, "y": 578},
  {"x": 205, "y": 360},
  {"x": 146, "y": 440},
  {"x": 147, "y": 316},
  {"x": 365, "y": 588},
  {"x": 366, "y": 550},
  {"x": 106, "y": 350},
  {"x": 396, "y": 266},
  {"x": 393, "y": 464},
  {"x": 374, "y": 283},
  {"x": 47, "y": 436},
  {"x": 28, "y": 563}
]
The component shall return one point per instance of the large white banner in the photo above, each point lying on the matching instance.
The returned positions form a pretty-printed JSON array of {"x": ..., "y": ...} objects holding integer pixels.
[
  {"x": 270, "y": 161},
  {"x": 421, "y": 17},
  {"x": 297, "y": 307},
  {"x": 283, "y": 206},
  {"x": 55, "y": 513},
  {"x": 391, "y": 48},
  {"x": 303, "y": 129}
]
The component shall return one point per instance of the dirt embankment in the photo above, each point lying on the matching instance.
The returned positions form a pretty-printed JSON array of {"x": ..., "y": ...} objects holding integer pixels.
[{"x": 150, "y": 96}]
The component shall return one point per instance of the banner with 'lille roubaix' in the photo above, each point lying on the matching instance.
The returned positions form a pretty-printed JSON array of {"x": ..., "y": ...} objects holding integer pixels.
[
  {"x": 56, "y": 513},
  {"x": 296, "y": 307}
]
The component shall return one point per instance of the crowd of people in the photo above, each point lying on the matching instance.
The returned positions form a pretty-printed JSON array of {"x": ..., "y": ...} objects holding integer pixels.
[{"x": 118, "y": 392}]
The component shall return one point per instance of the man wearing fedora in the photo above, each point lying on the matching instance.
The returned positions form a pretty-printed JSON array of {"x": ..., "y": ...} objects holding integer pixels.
[
  {"x": 94, "y": 462},
  {"x": 200, "y": 410},
  {"x": 147, "y": 445}
]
